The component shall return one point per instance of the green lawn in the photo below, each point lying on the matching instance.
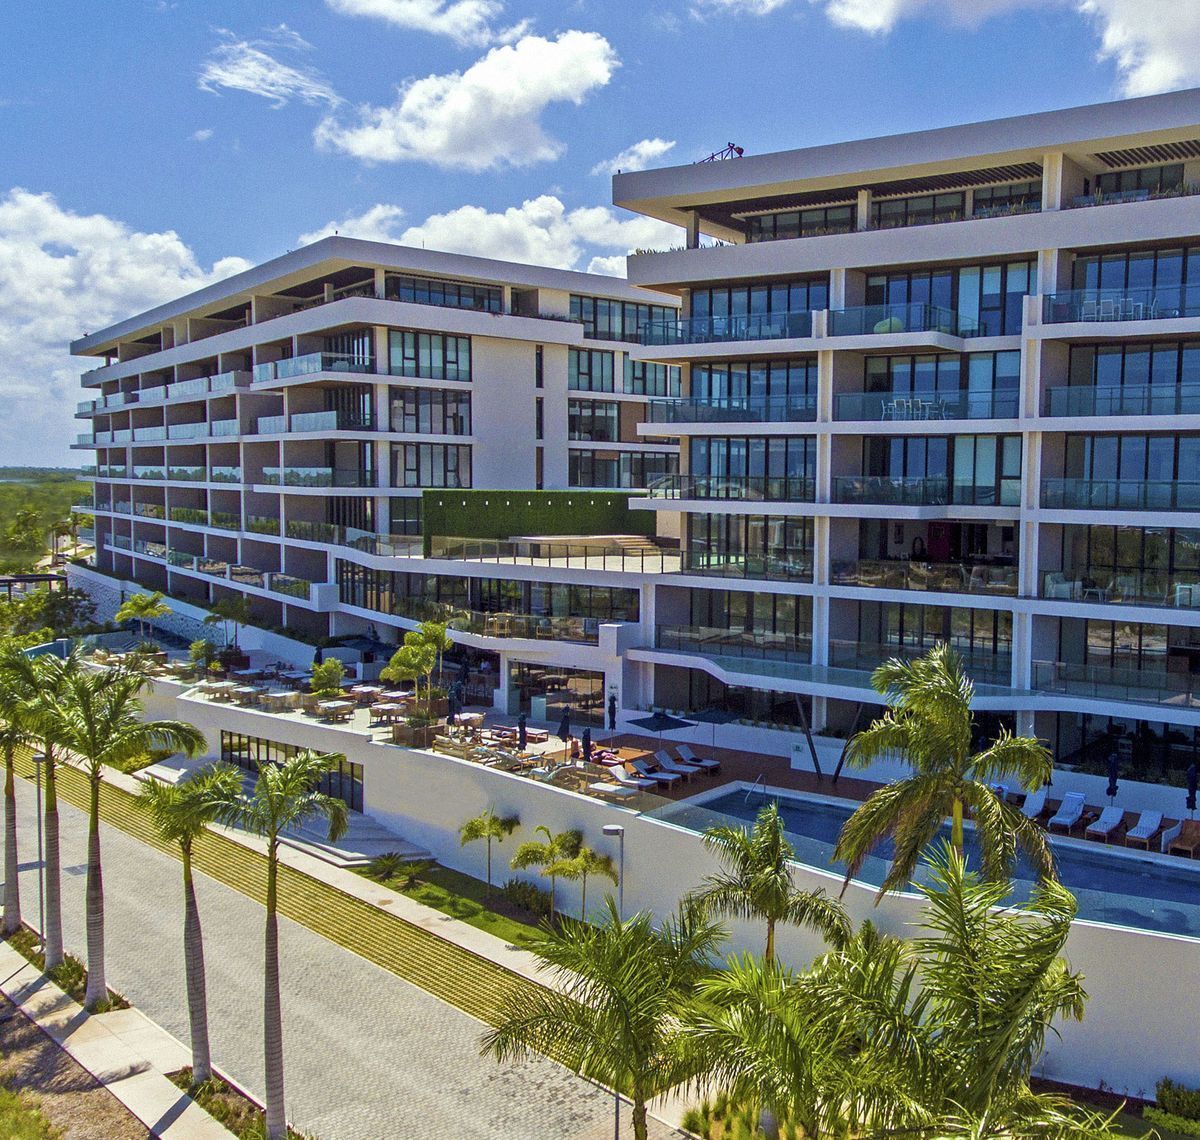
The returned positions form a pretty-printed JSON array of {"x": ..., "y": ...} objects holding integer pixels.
[
  {"x": 463, "y": 897},
  {"x": 21, "y": 1119}
]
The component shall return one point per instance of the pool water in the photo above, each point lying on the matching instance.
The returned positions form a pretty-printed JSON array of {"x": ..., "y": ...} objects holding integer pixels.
[{"x": 1122, "y": 889}]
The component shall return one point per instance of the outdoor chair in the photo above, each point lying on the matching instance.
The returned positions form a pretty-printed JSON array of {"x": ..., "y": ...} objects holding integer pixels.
[
  {"x": 687, "y": 771},
  {"x": 1142, "y": 832},
  {"x": 1185, "y": 839},
  {"x": 658, "y": 776},
  {"x": 617, "y": 791},
  {"x": 1111, "y": 819},
  {"x": 640, "y": 783},
  {"x": 1069, "y": 813},
  {"x": 1035, "y": 804},
  {"x": 706, "y": 764}
]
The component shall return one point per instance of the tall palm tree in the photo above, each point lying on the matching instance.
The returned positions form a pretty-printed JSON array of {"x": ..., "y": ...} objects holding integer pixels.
[
  {"x": 579, "y": 868},
  {"x": 98, "y": 717},
  {"x": 143, "y": 608},
  {"x": 14, "y": 734},
  {"x": 492, "y": 827},
  {"x": 757, "y": 883},
  {"x": 620, "y": 988},
  {"x": 547, "y": 854},
  {"x": 231, "y": 610},
  {"x": 929, "y": 725},
  {"x": 180, "y": 813},
  {"x": 285, "y": 795}
]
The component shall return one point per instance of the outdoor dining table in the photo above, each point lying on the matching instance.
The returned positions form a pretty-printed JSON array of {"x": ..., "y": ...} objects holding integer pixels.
[
  {"x": 387, "y": 713},
  {"x": 245, "y": 693},
  {"x": 296, "y": 677},
  {"x": 247, "y": 674},
  {"x": 222, "y": 689},
  {"x": 278, "y": 699},
  {"x": 471, "y": 720},
  {"x": 336, "y": 710},
  {"x": 395, "y": 695}
]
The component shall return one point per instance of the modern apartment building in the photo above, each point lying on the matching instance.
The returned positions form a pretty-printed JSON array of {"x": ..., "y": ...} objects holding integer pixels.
[{"x": 939, "y": 386}]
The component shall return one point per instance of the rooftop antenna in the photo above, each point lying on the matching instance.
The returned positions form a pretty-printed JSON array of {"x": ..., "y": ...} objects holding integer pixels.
[{"x": 730, "y": 150}]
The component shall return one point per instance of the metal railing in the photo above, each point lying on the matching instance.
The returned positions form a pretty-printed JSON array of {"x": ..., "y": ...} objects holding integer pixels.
[
  {"x": 1147, "y": 304},
  {"x": 800, "y": 408},
  {"x": 1122, "y": 587},
  {"x": 746, "y": 488},
  {"x": 942, "y": 577},
  {"x": 908, "y": 406},
  {"x": 1120, "y": 495},
  {"x": 877, "y": 320},
  {"x": 1128, "y": 400},
  {"x": 711, "y": 330}
]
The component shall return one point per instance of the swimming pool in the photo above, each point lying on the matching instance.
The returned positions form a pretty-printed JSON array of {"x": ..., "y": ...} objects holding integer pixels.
[{"x": 1111, "y": 885}]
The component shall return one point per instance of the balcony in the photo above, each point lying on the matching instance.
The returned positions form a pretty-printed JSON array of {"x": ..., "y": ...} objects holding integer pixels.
[
  {"x": 149, "y": 511},
  {"x": 981, "y": 663},
  {"x": 1128, "y": 400},
  {"x": 597, "y": 554},
  {"x": 186, "y": 473},
  {"x": 1116, "y": 197},
  {"x": 318, "y": 477},
  {"x": 149, "y": 434},
  {"x": 194, "y": 516},
  {"x": 270, "y": 580},
  {"x": 745, "y": 488},
  {"x": 149, "y": 471},
  {"x": 262, "y": 524},
  {"x": 225, "y": 475},
  {"x": 736, "y": 409},
  {"x": 1119, "y": 495},
  {"x": 311, "y": 363},
  {"x": 923, "y": 491},
  {"x": 937, "y": 577},
  {"x": 188, "y": 431},
  {"x": 1093, "y": 305},
  {"x": 878, "y": 320},
  {"x": 224, "y": 427},
  {"x": 533, "y": 627},
  {"x": 907, "y": 407},
  {"x": 1100, "y": 682},
  {"x": 271, "y": 425},
  {"x": 1129, "y": 587},
  {"x": 773, "y": 566},
  {"x": 718, "y": 330},
  {"x": 714, "y": 641},
  {"x": 313, "y": 421},
  {"x": 225, "y": 520}
]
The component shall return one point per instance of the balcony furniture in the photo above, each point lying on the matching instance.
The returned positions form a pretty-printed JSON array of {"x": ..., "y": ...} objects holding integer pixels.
[
  {"x": 1142, "y": 833},
  {"x": 1069, "y": 813},
  {"x": 1185, "y": 839},
  {"x": 1111, "y": 819},
  {"x": 666, "y": 764},
  {"x": 658, "y": 776},
  {"x": 1095, "y": 593},
  {"x": 386, "y": 712},
  {"x": 616, "y": 791},
  {"x": 280, "y": 700},
  {"x": 1185, "y": 595},
  {"x": 1124, "y": 588},
  {"x": 706, "y": 764},
  {"x": 620, "y": 776},
  {"x": 335, "y": 712},
  {"x": 245, "y": 694},
  {"x": 1035, "y": 804}
]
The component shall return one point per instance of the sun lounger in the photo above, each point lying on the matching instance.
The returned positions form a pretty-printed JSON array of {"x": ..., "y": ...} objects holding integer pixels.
[
  {"x": 709, "y": 766},
  {"x": 615, "y": 790},
  {"x": 667, "y": 778},
  {"x": 1182, "y": 839},
  {"x": 624, "y": 778},
  {"x": 1140, "y": 834},
  {"x": 1035, "y": 804},
  {"x": 1069, "y": 813},
  {"x": 687, "y": 771},
  {"x": 1111, "y": 818}
]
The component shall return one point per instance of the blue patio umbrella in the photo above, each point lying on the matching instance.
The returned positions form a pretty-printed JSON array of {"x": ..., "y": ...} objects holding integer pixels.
[
  {"x": 1113, "y": 772},
  {"x": 1191, "y": 788},
  {"x": 660, "y": 723},
  {"x": 564, "y": 727},
  {"x": 522, "y": 738},
  {"x": 587, "y": 745},
  {"x": 714, "y": 716}
]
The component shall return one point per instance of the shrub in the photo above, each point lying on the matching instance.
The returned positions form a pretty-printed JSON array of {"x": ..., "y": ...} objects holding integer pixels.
[
  {"x": 392, "y": 865},
  {"x": 528, "y": 896},
  {"x": 328, "y": 675},
  {"x": 201, "y": 652},
  {"x": 1178, "y": 1099},
  {"x": 1171, "y": 1122}
]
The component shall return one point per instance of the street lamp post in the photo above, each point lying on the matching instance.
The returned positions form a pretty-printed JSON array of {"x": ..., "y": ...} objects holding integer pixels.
[{"x": 615, "y": 830}]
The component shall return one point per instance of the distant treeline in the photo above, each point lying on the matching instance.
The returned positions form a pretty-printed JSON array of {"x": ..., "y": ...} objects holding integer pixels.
[{"x": 39, "y": 474}]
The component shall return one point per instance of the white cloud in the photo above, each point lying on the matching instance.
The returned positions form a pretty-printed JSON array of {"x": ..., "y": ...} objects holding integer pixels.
[
  {"x": 202, "y": 135},
  {"x": 466, "y": 22},
  {"x": 379, "y": 223},
  {"x": 63, "y": 274},
  {"x": 1155, "y": 43},
  {"x": 485, "y": 117},
  {"x": 613, "y": 266},
  {"x": 636, "y": 157},
  {"x": 248, "y": 65}
]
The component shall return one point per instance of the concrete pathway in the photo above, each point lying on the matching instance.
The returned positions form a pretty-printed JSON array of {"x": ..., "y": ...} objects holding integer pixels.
[
  {"x": 369, "y": 1056},
  {"x": 127, "y": 1053}
]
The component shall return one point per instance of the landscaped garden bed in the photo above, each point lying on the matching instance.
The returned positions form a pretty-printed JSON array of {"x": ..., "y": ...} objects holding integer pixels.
[
  {"x": 70, "y": 976},
  {"x": 227, "y": 1106}
]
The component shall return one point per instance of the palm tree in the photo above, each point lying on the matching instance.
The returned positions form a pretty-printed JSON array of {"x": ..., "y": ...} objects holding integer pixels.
[
  {"x": 180, "y": 812},
  {"x": 143, "y": 608},
  {"x": 98, "y": 717},
  {"x": 233, "y": 610},
  {"x": 929, "y": 724},
  {"x": 757, "y": 884},
  {"x": 285, "y": 795},
  {"x": 578, "y": 868},
  {"x": 433, "y": 634},
  {"x": 547, "y": 855},
  {"x": 14, "y": 734},
  {"x": 613, "y": 1013},
  {"x": 492, "y": 827}
]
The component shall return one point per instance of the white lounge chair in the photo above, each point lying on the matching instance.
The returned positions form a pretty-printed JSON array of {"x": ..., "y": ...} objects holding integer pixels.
[
  {"x": 618, "y": 773},
  {"x": 1035, "y": 803},
  {"x": 615, "y": 790},
  {"x": 1140, "y": 834},
  {"x": 1110, "y": 819},
  {"x": 667, "y": 764},
  {"x": 1069, "y": 813},
  {"x": 667, "y": 778},
  {"x": 710, "y": 766}
]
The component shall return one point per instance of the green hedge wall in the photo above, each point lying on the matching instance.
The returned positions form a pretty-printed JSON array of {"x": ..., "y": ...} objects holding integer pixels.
[{"x": 502, "y": 514}]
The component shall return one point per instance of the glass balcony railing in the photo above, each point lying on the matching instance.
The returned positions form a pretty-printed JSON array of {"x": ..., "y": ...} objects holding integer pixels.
[
  {"x": 150, "y": 395},
  {"x": 595, "y": 555},
  {"x": 115, "y": 471},
  {"x": 940, "y": 577},
  {"x": 1125, "y": 587},
  {"x": 182, "y": 388},
  {"x": 800, "y": 408},
  {"x": 1147, "y": 304},
  {"x": 149, "y": 434},
  {"x": 712, "y": 330},
  {"x": 226, "y": 381},
  {"x": 773, "y": 566},
  {"x": 318, "y": 477},
  {"x": 85, "y": 439},
  {"x": 125, "y": 507},
  {"x": 289, "y": 586},
  {"x": 534, "y": 627},
  {"x": 719, "y": 642},
  {"x": 271, "y": 580},
  {"x": 225, "y": 475},
  {"x": 982, "y": 663},
  {"x": 1119, "y": 495},
  {"x": 329, "y": 421},
  {"x": 225, "y": 520},
  {"x": 1144, "y": 194},
  {"x": 271, "y": 425},
  {"x": 188, "y": 431},
  {"x": 313, "y": 362},
  {"x": 909, "y": 406},
  {"x": 749, "y": 488},
  {"x": 149, "y": 510},
  {"x": 1129, "y": 400},
  {"x": 224, "y": 427},
  {"x": 923, "y": 491},
  {"x": 123, "y": 435},
  {"x": 196, "y": 516},
  {"x": 120, "y": 541},
  {"x": 1143, "y": 686},
  {"x": 186, "y": 473},
  {"x": 149, "y": 472},
  {"x": 262, "y": 524},
  {"x": 877, "y": 320}
]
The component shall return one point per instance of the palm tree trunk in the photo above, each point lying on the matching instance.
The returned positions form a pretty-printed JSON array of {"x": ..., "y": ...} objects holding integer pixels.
[
  {"x": 97, "y": 987},
  {"x": 639, "y": 1120},
  {"x": 956, "y": 827},
  {"x": 553, "y": 884},
  {"x": 12, "y": 882},
  {"x": 272, "y": 1015},
  {"x": 583, "y": 900},
  {"x": 489, "y": 868},
  {"x": 769, "y": 952},
  {"x": 52, "y": 936},
  {"x": 193, "y": 963}
]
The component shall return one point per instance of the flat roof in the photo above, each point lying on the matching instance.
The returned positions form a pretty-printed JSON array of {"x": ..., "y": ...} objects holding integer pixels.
[
  {"x": 334, "y": 253},
  {"x": 669, "y": 193}
]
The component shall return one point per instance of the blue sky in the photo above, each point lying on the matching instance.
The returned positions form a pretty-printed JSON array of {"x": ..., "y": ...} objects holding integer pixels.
[{"x": 149, "y": 147}]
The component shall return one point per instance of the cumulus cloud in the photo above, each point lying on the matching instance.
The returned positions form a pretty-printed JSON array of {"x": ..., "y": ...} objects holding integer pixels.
[
  {"x": 636, "y": 157},
  {"x": 485, "y": 117},
  {"x": 63, "y": 274},
  {"x": 247, "y": 65},
  {"x": 202, "y": 135},
  {"x": 540, "y": 231},
  {"x": 466, "y": 22}
]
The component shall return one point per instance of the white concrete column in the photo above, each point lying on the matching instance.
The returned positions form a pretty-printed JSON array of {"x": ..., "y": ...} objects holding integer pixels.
[
  {"x": 380, "y": 282},
  {"x": 820, "y": 631},
  {"x": 863, "y": 213},
  {"x": 837, "y": 288},
  {"x": 825, "y": 386},
  {"x": 693, "y": 229}
]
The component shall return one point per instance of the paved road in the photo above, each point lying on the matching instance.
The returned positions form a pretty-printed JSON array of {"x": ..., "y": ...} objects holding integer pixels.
[{"x": 369, "y": 1056}]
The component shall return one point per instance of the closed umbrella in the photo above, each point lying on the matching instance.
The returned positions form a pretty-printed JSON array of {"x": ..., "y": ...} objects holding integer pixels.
[
  {"x": 1113, "y": 772},
  {"x": 522, "y": 739},
  {"x": 464, "y": 671},
  {"x": 452, "y": 707},
  {"x": 1191, "y": 788},
  {"x": 564, "y": 727},
  {"x": 612, "y": 712},
  {"x": 319, "y": 656},
  {"x": 587, "y": 745}
]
